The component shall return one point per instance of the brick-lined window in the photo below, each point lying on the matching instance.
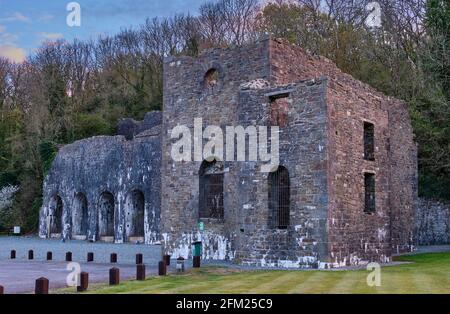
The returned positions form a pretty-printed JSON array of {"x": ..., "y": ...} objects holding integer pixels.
[
  {"x": 279, "y": 198},
  {"x": 369, "y": 193},
  {"x": 211, "y": 190},
  {"x": 279, "y": 110},
  {"x": 369, "y": 141}
]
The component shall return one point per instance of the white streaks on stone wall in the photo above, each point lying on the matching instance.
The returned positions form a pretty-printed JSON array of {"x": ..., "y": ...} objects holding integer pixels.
[{"x": 214, "y": 246}]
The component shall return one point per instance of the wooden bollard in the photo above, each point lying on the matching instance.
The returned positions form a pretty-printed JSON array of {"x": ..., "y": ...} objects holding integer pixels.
[
  {"x": 166, "y": 259},
  {"x": 140, "y": 272},
  {"x": 68, "y": 256},
  {"x": 90, "y": 257},
  {"x": 49, "y": 256},
  {"x": 162, "y": 268},
  {"x": 30, "y": 254},
  {"x": 13, "y": 254},
  {"x": 41, "y": 286},
  {"x": 114, "y": 276},
  {"x": 2, "y": 290},
  {"x": 84, "y": 282},
  {"x": 113, "y": 258},
  {"x": 139, "y": 259},
  {"x": 196, "y": 262}
]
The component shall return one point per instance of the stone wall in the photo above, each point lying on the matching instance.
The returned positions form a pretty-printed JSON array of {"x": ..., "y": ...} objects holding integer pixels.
[
  {"x": 186, "y": 97},
  {"x": 129, "y": 128},
  {"x": 432, "y": 223},
  {"x": 101, "y": 174},
  {"x": 303, "y": 152},
  {"x": 354, "y": 235},
  {"x": 322, "y": 124}
]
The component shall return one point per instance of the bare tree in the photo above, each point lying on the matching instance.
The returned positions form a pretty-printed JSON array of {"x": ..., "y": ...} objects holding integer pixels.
[{"x": 238, "y": 17}]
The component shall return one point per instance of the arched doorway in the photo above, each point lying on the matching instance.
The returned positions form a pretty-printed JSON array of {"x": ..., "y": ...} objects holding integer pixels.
[
  {"x": 80, "y": 217},
  {"x": 106, "y": 217},
  {"x": 55, "y": 216},
  {"x": 279, "y": 199},
  {"x": 134, "y": 217}
]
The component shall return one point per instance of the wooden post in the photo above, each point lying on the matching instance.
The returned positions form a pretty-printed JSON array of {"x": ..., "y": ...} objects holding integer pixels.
[
  {"x": 41, "y": 286},
  {"x": 49, "y": 256},
  {"x": 13, "y": 254},
  {"x": 90, "y": 257},
  {"x": 113, "y": 258},
  {"x": 140, "y": 272},
  {"x": 162, "y": 269},
  {"x": 84, "y": 282},
  {"x": 2, "y": 290},
  {"x": 196, "y": 262},
  {"x": 30, "y": 254}
]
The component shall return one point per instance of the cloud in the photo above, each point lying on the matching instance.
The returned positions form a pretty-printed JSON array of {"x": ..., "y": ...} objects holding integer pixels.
[
  {"x": 50, "y": 36},
  {"x": 12, "y": 53},
  {"x": 15, "y": 17},
  {"x": 46, "y": 17},
  {"x": 5, "y": 37}
]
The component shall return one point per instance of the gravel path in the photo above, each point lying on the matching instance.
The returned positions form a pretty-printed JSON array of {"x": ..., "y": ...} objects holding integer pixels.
[
  {"x": 126, "y": 252},
  {"x": 19, "y": 275}
]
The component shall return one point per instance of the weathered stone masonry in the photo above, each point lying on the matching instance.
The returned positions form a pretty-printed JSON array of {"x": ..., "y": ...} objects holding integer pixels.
[
  {"x": 322, "y": 146},
  {"x": 107, "y": 188},
  {"x": 345, "y": 192}
]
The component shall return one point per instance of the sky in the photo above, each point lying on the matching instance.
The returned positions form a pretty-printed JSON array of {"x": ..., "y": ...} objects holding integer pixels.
[{"x": 26, "y": 24}]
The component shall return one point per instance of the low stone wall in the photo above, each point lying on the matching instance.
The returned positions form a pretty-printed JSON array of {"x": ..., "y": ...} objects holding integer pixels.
[{"x": 432, "y": 223}]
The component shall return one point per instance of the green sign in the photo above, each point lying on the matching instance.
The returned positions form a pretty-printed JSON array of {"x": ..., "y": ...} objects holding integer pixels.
[{"x": 201, "y": 225}]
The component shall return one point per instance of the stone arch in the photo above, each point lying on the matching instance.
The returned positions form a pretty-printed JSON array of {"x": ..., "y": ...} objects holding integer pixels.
[
  {"x": 55, "y": 215},
  {"x": 134, "y": 216},
  {"x": 279, "y": 198},
  {"x": 106, "y": 221},
  {"x": 80, "y": 217}
]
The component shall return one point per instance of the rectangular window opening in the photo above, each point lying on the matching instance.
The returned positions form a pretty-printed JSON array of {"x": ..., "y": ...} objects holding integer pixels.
[{"x": 369, "y": 141}]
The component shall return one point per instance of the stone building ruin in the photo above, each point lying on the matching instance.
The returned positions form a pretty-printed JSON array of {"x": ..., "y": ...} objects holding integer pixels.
[
  {"x": 345, "y": 191},
  {"x": 107, "y": 188}
]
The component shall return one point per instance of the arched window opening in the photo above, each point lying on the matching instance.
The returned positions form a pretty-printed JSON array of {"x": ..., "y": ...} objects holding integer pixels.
[
  {"x": 56, "y": 212},
  {"x": 211, "y": 190},
  {"x": 279, "y": 198}
]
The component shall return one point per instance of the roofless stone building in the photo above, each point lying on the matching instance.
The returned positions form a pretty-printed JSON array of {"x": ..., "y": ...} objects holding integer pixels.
[{"x": 345, "y": 191}]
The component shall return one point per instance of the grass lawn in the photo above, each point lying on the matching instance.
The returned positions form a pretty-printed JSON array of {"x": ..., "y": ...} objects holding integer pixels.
[{"x": 427, "y": 273}]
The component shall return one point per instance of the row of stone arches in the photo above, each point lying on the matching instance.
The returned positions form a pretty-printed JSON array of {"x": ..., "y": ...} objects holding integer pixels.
[{"x": 107, "y": 221}]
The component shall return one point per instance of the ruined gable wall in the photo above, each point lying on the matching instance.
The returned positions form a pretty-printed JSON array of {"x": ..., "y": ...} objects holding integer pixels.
[
  {"x": 356, "y": 236},
  {"x": 353, "y": 234}
]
